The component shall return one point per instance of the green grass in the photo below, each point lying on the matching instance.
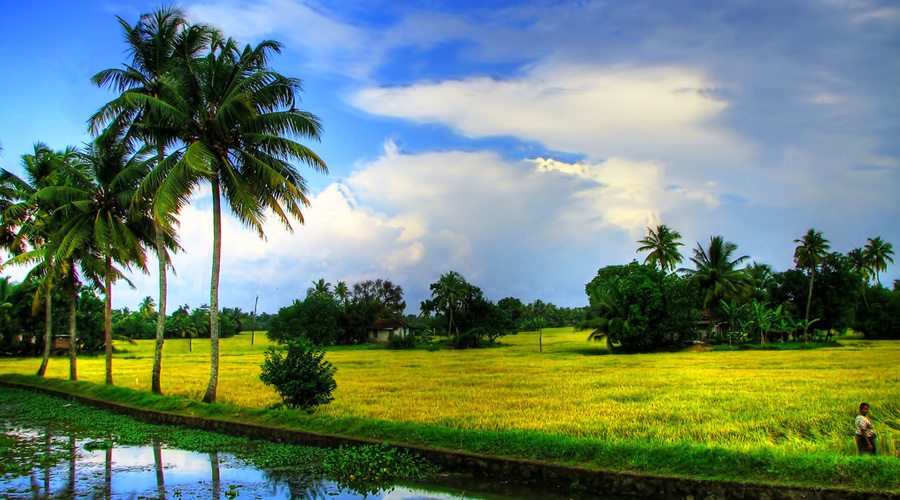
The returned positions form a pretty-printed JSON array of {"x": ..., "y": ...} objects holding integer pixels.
[{"x": 771, "y": 416}]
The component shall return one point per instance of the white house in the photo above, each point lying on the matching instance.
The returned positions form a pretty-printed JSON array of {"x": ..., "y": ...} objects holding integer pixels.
[{"x": 385, "y": 327}]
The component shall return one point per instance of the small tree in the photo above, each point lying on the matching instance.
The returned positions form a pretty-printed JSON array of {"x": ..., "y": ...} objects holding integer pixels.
[{"x": 299, "y": 374}]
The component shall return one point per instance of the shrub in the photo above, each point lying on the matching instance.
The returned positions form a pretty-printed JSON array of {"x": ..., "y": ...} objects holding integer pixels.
[
  {"x": 301, "y": 376},
  {"x": 401, "y": 341}
]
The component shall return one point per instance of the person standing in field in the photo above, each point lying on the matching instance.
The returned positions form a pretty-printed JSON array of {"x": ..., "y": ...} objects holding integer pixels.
[{"x": 865, "y": 431}]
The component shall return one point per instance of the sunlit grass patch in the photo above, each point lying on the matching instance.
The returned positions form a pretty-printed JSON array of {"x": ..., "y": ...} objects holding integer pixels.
[{"x": 796, "y": 401}]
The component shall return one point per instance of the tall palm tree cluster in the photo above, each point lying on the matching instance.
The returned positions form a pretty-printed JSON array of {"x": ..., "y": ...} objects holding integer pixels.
[
  {"x": 718, "y": 273},
  {"x": 193, "y": 108}
]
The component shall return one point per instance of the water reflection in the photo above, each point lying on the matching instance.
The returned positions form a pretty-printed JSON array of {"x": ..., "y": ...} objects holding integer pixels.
[{"x": 155, "y": 472}]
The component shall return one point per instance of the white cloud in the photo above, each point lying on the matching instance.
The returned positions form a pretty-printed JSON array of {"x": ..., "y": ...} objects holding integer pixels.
[
  {"x": 307, "y": 26},
  {"x": 329, "y": 45},
  {"x": 637, "y": 112},
  {"x": 412, "y": 217}
]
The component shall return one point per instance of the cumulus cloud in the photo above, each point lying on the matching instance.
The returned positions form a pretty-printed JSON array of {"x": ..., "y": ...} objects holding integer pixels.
[{"x": 411, "y": 217}]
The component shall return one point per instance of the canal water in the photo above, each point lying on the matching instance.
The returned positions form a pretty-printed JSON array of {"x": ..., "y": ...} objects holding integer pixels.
[{"x": 156, "y": 472}]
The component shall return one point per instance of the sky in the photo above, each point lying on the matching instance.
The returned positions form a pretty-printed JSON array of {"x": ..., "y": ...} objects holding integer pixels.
[{"x": 523, "y": 144}]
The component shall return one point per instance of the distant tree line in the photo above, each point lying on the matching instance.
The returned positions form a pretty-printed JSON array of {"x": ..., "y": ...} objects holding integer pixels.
[
  {"x": 658, "y": 305},
  {"x": 21, "y": 331}
]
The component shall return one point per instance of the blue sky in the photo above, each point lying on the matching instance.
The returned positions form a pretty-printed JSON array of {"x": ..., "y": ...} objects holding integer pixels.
[{"x": 522, "y": 144}]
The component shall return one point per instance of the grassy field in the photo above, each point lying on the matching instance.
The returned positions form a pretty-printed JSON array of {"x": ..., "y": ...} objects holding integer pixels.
[{"x": 790, "y": 402}]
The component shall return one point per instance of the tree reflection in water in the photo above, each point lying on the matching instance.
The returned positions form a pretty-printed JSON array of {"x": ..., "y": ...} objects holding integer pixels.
[{"x": 76, "y": 470}]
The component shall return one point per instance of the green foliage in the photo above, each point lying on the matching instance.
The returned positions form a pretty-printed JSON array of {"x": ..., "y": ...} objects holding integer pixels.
[
  {"x": 450, "y": 294},
  {"x": 836, "y": 296},
  {"x": 299, "y": 374},
  {"x": 717, "y": 274},
  {"x": 881, "y": 318},
  {"x": 386, "y": 297},
  {"x": 755, "y": 320},
  {"x": 513, "y": 307},
  {"x": 89, "y": 320},
  {"x": 135, "y": 326},
  {"x": 401, "y": 341},
  {"x": 630, "y": 306},
  {"x": 317, "y": 319},
  {"x": 662, "y": 244},
  {"x": 376, "y": 463},
  {"x": 358, "y": 317},
  {"x": 20, "y": 455}
]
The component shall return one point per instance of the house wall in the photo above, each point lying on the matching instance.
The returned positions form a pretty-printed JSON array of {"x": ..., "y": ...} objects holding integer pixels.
[{"x": 382, "y": 336}]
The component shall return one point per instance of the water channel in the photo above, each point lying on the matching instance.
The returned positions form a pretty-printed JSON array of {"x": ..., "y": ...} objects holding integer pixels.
[{"x": 158, "y": 472}]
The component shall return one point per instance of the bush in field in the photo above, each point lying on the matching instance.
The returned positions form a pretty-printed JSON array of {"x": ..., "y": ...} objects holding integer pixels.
[
  {"x": 299, "y": 374},
  {"x": 401, "y": 341}
]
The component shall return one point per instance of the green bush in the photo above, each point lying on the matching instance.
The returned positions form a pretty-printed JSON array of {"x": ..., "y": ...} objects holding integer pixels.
[
  {"x": 401, "y": 341},
  {"x": 299, "y": 374}
]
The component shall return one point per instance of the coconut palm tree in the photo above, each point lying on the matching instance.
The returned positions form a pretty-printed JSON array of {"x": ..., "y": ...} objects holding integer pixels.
[
  {"x": 809, "y": 255},
  {"x": 319, "y": 287},
  {"x": 161, "y": 44},
  {"x": 29, "y": 224},
  {"x": 342, "y": 292},
  {"x": 663, "y": 247},
  {"x": 449, "y": 293},
  {"x": 860, "y": 263},
  {"x": 7, "y": 291},
  {"x": 147, "y": 307},
  {"x": 100, "y": 225},
  {"x": 717, "y": 273},
  {"x": 878, "y": 253},
  {"x": 237, "y": 124}
]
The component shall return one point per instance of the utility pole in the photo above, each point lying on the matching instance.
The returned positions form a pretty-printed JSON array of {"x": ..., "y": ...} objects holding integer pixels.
[{"x": 253, "y": 332}]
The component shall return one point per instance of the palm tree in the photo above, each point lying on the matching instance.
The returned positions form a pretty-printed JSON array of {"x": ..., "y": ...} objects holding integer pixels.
[
  {"x": 860, "y": 263},
  {"x": 878, "y": 253},
  {"x": 160, "y": 44},
  {"x": 7, "y": 291},
  {"x": 612, "y": 314},
  {"x": 810, "y": 254},
  {"x": 342, "y": 292},
  {"x": 236, "y": 121},
  {"x": 235, "y": 315},
  {"x": 663, "y": 247},
  {"x": 449, "y": 294},
  {"x": 762, "y": 276},
  {"x": 99, "y": 226},
  {"x": 319, "y": 287},
  {"x": 717, "y": 274},
  {"x": 29, "y": 224},
  {"x": 147, "y": 307}
]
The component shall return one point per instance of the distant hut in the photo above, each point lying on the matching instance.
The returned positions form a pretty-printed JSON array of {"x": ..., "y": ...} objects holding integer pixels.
[
  {"x": 61, "y": 344},
  {"x": 383, "y": 328}
]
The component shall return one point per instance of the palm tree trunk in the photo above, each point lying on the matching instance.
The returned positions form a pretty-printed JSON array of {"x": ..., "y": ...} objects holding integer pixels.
[
  {"x": 156, "y": 383},
  {"x": 210, "y": 396},
  {"x": 812, "y": 279},
  {"x": 450, "y": 323},
  {"x": 73, "y": 301},
  {"x": 107, "y": 321},
  {"x": 47, "y": 336}
]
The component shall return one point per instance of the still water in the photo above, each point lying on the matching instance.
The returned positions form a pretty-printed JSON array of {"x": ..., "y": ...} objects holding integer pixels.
[{"x": 156, "y": 472}]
